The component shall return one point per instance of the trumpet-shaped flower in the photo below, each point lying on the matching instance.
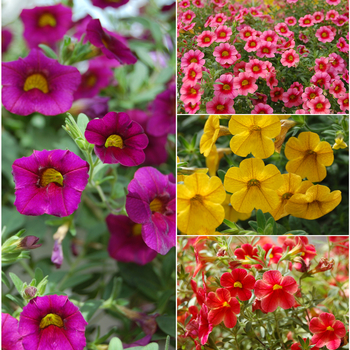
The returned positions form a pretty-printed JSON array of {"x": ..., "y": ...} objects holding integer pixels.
[
  {"x": 210, "y": 135},
  {"x": 327, "y": 331},
  {"x": 253, "y": 185},
  {"x": 223, "y": 308},
  {"x": 317, "y": 201},
  {"x": 238, "y": 283},
  {"x": 275, "y": 290},
  {"x": 52, "y": 319},
  {"x": 308, "y": 156},
  {"x": 253, "y": 134},
  {"x": 199, "y": 203}
]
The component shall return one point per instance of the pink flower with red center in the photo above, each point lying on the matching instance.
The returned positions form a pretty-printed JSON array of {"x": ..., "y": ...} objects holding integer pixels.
[
  {"x": 238, "y": 283},
  {"x": 206, "y": 38},
  {"x": 275, "y": 254},
  {"x": 337, "y": 63},
  {"x": 327, "y": 331},
  {"x": 193, "y": 74},
  {"x": 192, "y": 108},
  {"x": 321, "y": 80},
  {"x": 337, "y": 88},
  {"x": 292, "y": 98},
  {"x": 218, "y": 20},
  {"x": 303, "y": 37},
  {"x": 205, "y": 327},
  {"x": 291, "y": 21},
  {"x": 275, "y": 290},
  {"x": 198, "y": 4},
  {"x": 321, "y": 64},
  {"x": 262, "y": 108},
  {"x": 189, "y": 26},
  {"x": 290, "y": 58},
  {"x": 342, "y": 45},
  {"x": 266, "y": 49},
  {"x": 246, "y": 32},
  {"x": 245, "y": 84},
  {"x": 290, "y": 44},
  {"x": 331, "y": 15},
  {"x": 225, "y": 54},
  {"x": 343, "y": 102},
  {"x": 238, "y": 67},
  {"x": 208, "y": 21},
  {"x": 190, "y": 94},
  {"x": 220, "y": 105},
  {"x": 192, "y": 57},
  {"x": 324, "y": 34},
  {"x": 318, "y": 17},
  {"x": 298, "y": 86},
  {"x": 256, "y": 68},
  {"x": 223, "y": 308},
  {"x": 188, "y": 16},
  {"x": 319, "y": 105},
  {"x": 255, "y": 12},
  {"x": 223, "y": 33},
  {"x": 311, "y": 92},
  {"x": 276, "y": 94},
  {"x": 340, "y": 21},
  {"x": 258, "y": 98},
  {"x": 269, "y": 36},
  {"x": 282, "y": 29},
  {"x": 184, "y": 4},
  {"x": 333, "y": 2},
  {"x": 306, "y": 21},
  {"x": 252, "y": 44},
  {"x": 226, "y": 88},
  {"x": 303, "y": 51},
  {"x": 345, "y": 76},
  {"x": 271, "y": 80}
]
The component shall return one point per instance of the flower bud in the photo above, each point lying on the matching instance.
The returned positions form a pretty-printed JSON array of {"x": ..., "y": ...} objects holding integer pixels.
[
  {"x": 29, "y": 242},
  {"x": 323, "y": 265},
  {"x": 301, "y": 264},
  {"x": 57, "y": 254},
  {"x": 285, "y": 126},
  {"x": 29, "y": 292}
]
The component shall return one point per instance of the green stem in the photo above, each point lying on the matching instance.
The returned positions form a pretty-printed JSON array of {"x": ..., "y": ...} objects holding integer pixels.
[
  {"x": 278, "y": 330},
  {"x": 27, "y": 268}
]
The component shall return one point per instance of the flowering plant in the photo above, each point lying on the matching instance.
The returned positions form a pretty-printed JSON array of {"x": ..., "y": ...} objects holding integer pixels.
[
  {"x": 287, "y": 293},
  {"x": 88, "y": 173},
  {"x": 284, "y": 171},
  {"x": 263, "y": 58}
]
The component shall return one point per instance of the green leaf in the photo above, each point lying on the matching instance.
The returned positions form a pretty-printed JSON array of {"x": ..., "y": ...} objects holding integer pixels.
[
  {"x": 221, "y": 174},
  {"x": 5, "y": 280},
  {"x": 39, "y": 275},
  {"x": 75, "y": 280},
  {"x": 17, "y": 282},
  {"x": 253, "y": 225},
  {"x": 82, "y": 122},
  {"x": 89, "y": 308},
  {"x": 260, "y": 218},
  {"x": 115, "y": 344},
  {"x": 48, "y": 51},
  {"x": 167, "y": 324},
  {"x": 16, "y": 300},
  {"x": 138, "y": 76}
]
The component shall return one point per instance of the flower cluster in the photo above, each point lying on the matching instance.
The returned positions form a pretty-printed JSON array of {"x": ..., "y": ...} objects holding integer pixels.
[
  {"x": 235, "y": 58},
  {"x": 257, "y": 281}
]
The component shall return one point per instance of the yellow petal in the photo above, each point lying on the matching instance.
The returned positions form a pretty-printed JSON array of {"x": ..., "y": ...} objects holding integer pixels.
[
  {"x": 211, "y": 132},
  {"x": 231, "y": 214},
  {"x": 325, "y": 155}
]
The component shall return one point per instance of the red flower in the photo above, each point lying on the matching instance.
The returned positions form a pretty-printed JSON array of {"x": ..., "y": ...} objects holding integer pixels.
[
  {"x": 327, "y": 331},
  {"x": 205, "y": 327},
  {"x": 223, "y": 308},
  {"x": 238, "y": 282},
  {"x": 275, "y": 290},
  {"x": 275, "y": 254},
  {"x": 247, "y": 250},
  {"x": 296, "y": 346},
  {"x": 245, "y": 84}
]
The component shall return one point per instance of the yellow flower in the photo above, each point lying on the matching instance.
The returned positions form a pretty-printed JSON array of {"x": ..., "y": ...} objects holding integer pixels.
[
  {"x": 308, "y": 156},
  {"x": 212, "y": 131},
  {"x": 339, "y": 142},
  {"x": 199, "y": 203},
  {"x": 231, "y": 214},
  {"x": 285, "y": 126},
  {"x": 253, "y": 185},
  {"x": 291, "y": 184},
  {"x": 214, "y": 157},
  {"x": 253, "y": 134},
  {"x": 317, "y": 201}
]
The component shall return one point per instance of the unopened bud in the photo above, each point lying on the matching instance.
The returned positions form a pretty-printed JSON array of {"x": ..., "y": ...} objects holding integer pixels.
[
  {"x": 221, "y": 252},
  {"x": 29, "y": 242},
  {"x": 301, "y": 264},
  {"x": 29, "y": 292},
  {"x": 323, "y": 265}
]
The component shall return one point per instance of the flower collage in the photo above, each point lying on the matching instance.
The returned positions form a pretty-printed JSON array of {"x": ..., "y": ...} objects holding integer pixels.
[{"x": 175, "y": 175}]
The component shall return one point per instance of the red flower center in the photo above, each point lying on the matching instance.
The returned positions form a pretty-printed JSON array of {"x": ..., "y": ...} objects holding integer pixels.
[
  {"x": 47, "y": 19},
  {"x": 36, "y": 81},
  {"x": 114, "y": 141},
  {"x": 50, "y": 175},
  {"x": 277, "y": 286},
  {"x": 51, "y": 319}
]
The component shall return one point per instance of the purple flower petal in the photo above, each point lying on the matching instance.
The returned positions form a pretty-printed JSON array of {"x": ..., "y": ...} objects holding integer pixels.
[{"x": 10, "y": 338}]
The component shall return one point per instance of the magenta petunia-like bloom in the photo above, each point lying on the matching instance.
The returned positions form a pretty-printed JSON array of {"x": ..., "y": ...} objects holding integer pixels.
[
  {"x": 325, "y": 34},
  {"x": 226, "y": 88},
  {"x": 6, "y": 39},
  {"x": 10, "y": 338},
  {"x": 46, "y": 24},
  {"x": 52, "y": 322},
  {"x": 126, "y": 243},
  {"x": 112, "y": 45},
  {"x": 151, "y": 202},
  {"x": 117, "y": 139},
  {"x": 95, "y": 107},
  {"x": 109, "y": 3},
  {"x": 38, "y": 84},
  {"x": 49, "y": 182}
]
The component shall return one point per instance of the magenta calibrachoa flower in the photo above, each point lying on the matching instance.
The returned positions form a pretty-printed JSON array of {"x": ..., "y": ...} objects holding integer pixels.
[
  {"x": 10, "y": 338},
  {"x": 126, "y": 243},
  {"x": 38, "y": 84},
  {"x": 151, "y": 203},
  {"x": 46, "y": 24},
  {"x": 117, "y": 139},
  {"x": 109, "y": 3},
  {"x": 52, "y": 322},
  {"x": 49, "y": 182},
  {"x": 112, "y": 45}
]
